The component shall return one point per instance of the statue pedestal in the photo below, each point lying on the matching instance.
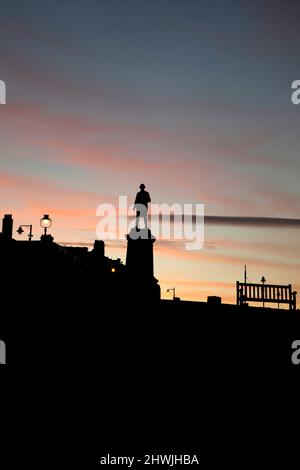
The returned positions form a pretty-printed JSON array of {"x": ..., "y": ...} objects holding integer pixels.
[
  {"x": 139, "y": 257},
  {"x": 139, "y": 262}
]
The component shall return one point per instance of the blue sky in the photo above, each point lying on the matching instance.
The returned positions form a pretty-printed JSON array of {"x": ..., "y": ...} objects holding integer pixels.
[{"x": 191, "y": 97}]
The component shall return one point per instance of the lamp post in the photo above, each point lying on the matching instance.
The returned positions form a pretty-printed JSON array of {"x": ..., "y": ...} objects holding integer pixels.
[
  {"x": 46, "y": 223},
  {"x": 263, "y": 280},
  {"x": 172, "y": 290},
  {"x": 20, "y": 231}
]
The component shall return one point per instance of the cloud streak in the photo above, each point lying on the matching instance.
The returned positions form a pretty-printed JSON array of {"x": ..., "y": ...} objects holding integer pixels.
[
  {"x": 243, "y": 221},
  {"x": 278, "y": 222}
]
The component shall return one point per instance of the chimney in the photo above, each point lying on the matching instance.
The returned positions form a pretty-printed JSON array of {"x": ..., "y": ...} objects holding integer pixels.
[
  {"x": 99, "y": 248},
  {"x": 7, "y": 226}
]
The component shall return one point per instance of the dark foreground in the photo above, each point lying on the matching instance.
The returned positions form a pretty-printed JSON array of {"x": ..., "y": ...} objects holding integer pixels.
[{"x": 89, "y": 376}]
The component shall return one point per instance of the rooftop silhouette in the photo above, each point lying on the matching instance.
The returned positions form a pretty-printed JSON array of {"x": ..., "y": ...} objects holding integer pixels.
[{"x": 76, "y": 266}]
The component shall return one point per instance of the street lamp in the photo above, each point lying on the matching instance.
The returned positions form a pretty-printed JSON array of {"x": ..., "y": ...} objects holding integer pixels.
[
  {"x": 46, "y": 223},
  {"x": 20, "y": 231},
  {"x": 172, "y": 290}
]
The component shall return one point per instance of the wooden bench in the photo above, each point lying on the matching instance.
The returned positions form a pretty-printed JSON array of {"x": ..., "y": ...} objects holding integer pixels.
[{"x": 265, "y": 293}]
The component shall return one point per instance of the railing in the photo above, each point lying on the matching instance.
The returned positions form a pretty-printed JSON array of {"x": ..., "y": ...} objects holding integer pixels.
[{"x": 265, "y": 293}]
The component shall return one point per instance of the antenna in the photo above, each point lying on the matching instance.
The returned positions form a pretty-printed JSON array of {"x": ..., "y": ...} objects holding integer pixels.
[{"x": 245, "y": 274}]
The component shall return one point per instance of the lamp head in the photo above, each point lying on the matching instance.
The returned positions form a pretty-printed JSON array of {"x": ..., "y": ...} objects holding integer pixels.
[
  {"x": 20, "y": 230},
  {"x": 46, "y": 222}
]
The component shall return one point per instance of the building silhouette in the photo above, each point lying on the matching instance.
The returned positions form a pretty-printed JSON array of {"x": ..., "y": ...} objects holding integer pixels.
[{"x": 51, "y": 263}]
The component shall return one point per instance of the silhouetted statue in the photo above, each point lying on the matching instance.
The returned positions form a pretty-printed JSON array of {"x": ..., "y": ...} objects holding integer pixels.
[{"x": 141, "y": 205}]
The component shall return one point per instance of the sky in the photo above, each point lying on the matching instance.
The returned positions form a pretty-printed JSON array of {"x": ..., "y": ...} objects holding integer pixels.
[{"x": 190, "y": 97}]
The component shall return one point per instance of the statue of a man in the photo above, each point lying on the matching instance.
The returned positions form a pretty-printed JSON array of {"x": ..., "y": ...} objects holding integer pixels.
[{"x": 141, "y": 205}]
